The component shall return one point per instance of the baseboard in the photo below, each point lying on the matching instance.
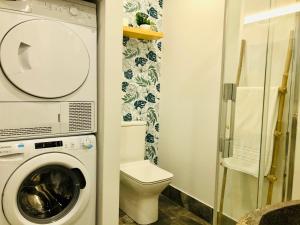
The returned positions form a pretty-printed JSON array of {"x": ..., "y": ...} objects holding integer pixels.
[{"x": 200, "y": 209}]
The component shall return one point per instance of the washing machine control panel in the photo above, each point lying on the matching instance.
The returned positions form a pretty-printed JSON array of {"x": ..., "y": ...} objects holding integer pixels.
[
  {"x": 19, "y": 149},
  {"x": 80, "y": 143},
  {"x": 71, "y": 11}
]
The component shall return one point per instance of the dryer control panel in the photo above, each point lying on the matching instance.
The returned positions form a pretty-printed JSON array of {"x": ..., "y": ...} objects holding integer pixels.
[{"x": 71, "y": 11}]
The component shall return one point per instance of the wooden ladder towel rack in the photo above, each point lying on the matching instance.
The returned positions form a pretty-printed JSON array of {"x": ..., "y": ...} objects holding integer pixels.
[{"x": 278, "y": 129}]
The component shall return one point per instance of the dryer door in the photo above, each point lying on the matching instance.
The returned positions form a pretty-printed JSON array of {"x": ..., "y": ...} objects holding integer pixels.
[
  {"x": 53, "y": 187},
  {"x": 44, "y": 58}
]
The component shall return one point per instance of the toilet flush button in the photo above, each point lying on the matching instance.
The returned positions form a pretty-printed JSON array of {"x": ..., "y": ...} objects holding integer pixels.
[{"x": 74, "y": 11}]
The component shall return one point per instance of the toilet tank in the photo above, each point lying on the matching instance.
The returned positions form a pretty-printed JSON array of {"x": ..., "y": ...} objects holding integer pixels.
[{"x": 133, "y": 141}]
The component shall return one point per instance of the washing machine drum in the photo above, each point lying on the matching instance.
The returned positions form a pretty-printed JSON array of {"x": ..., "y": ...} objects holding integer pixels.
[
  {"x": 44, "y": 58},
  {"x": 49, "y": 193},
  {"x": 49, "y": 188}
]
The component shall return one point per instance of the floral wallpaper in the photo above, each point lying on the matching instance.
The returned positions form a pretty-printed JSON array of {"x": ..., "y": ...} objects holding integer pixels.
[{"x": 141, "y": 71}]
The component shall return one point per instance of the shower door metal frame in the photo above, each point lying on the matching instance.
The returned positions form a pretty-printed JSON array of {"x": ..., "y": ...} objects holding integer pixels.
[{"x": 221, "y": 127}]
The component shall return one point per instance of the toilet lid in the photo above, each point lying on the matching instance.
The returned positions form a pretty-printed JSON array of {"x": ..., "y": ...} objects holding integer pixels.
[{"x": 145, "y": 172}]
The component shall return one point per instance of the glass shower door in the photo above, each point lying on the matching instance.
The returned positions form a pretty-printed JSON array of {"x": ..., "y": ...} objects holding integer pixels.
[{"x": 254, "y": 113}]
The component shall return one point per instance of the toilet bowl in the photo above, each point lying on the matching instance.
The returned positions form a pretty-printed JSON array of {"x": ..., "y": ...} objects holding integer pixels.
[
  {"x": 141, "y": 182},
  {"x": 141, "y": 185}
]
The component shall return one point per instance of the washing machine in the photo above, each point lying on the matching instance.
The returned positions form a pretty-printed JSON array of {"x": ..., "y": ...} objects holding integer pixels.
[
  {"x": 48, "y": 181},
  {"x": 48, "y": 76}
]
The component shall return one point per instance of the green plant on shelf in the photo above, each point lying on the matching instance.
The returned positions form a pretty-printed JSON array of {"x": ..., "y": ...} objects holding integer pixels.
[{"x": 142, "y": 18}]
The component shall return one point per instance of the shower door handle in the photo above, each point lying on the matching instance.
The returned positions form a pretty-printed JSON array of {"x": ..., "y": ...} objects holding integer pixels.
[{"x": 227, "y": 120}]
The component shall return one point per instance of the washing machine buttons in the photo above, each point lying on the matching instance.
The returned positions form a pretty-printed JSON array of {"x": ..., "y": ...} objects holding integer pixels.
[{"x": 21, "y": 146}]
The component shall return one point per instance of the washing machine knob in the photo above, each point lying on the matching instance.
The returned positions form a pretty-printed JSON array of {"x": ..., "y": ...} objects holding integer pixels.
[
  {"x": 87, "y": 144},
  {"x": 74, "y": 11}
]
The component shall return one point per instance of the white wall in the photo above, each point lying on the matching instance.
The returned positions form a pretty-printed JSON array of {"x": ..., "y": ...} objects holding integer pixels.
[
  {"x": 109, "y": 95},
  {"x": 190, "y": 85}
]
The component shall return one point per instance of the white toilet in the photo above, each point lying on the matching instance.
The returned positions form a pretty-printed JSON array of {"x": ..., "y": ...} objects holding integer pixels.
[{"x": 141, "y": 181}]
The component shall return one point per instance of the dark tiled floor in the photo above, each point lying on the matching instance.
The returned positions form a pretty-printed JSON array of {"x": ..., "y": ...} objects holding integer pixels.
[{"x": 169, "y": 214}]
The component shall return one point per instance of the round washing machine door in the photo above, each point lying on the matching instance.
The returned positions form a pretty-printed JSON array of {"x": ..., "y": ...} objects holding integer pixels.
[
  {"x": 44, "y": 58},
  {"x": 52, "y": 188}
]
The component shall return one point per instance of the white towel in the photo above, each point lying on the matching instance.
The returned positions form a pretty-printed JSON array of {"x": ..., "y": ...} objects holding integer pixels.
[{"x": 247, "y": 130}]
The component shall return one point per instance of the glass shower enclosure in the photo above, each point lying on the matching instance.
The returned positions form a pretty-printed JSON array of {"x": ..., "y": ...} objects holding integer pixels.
[{"x": 259, "y": 106}]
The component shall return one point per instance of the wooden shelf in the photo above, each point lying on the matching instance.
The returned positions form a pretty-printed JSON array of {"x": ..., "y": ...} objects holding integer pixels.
[{"x": 134, "y": 32}]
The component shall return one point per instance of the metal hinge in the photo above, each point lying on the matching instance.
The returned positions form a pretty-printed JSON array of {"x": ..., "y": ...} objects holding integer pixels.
[
  {"x": 229, "y": 92},
  {"x": 226, "y": 147}
]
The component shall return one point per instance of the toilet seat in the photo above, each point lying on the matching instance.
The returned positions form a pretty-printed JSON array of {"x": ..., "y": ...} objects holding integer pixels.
[{"x": 145, "y": 172}]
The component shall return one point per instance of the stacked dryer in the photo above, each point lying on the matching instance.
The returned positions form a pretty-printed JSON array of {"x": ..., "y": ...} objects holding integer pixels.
[
  {"x": 48, "y": 69},
  {"x": 48, "y": 89}
]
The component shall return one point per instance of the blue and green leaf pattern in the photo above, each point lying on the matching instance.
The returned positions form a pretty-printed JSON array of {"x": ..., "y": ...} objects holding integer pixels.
[{"x": 141, "y": 71}]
